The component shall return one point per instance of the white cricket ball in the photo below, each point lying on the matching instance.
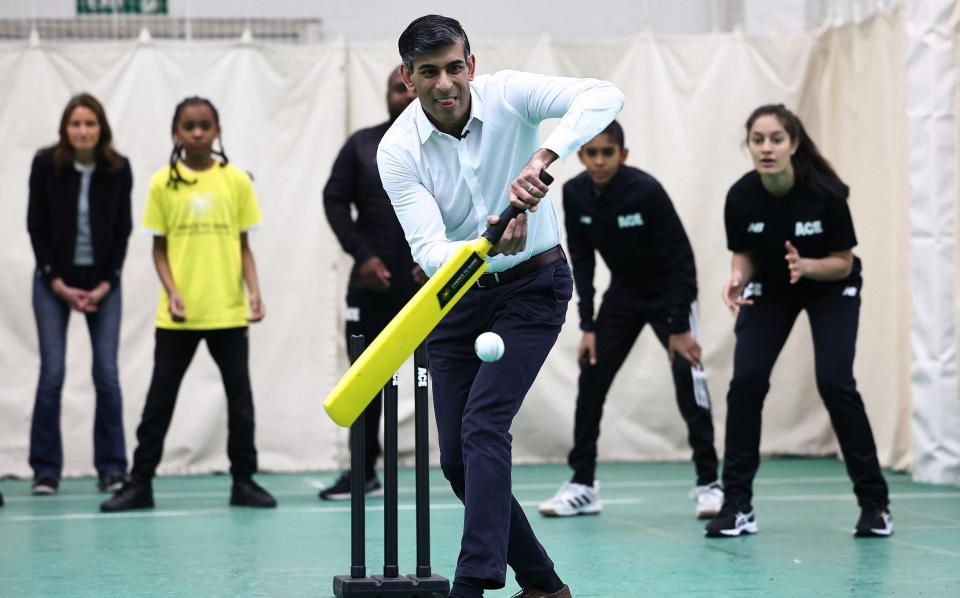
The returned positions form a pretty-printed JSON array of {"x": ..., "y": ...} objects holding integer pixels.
[{"x": 489, "y": 346}]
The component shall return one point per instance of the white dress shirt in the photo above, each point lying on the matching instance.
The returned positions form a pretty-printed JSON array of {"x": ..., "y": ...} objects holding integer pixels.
[{"x": 443, "y": 187}]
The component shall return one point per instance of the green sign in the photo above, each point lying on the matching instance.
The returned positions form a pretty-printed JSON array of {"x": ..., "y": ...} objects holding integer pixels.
[{"x": 134, "y": 7}]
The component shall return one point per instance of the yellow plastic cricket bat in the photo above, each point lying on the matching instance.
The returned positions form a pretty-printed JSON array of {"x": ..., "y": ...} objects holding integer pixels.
[{"x": 384, "y": 356}]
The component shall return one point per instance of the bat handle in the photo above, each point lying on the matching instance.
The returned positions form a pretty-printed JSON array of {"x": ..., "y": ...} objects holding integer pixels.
[{"x": 494, "y": 232}]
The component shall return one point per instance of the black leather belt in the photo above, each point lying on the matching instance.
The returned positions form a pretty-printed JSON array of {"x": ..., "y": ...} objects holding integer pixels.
[{"x": 525, "y": 268}]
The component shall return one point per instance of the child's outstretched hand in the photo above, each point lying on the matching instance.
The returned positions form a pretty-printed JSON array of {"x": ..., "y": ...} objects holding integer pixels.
[{"x": 258, "y": 310}]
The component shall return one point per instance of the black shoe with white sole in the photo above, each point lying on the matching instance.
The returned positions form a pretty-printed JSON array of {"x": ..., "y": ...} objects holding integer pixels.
[
  {"x": 874, "y": 522},
  {"x": 340, "y": 490},
  {"x": 45, "y": 486},
  {"x": 731, "y": 522},
  {"x": 111, "y": 483}
]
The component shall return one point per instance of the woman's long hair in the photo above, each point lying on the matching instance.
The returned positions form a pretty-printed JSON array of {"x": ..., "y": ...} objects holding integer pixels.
[
  {"x": 810, "y": 167},
  {"x": 63, "y": 152}
]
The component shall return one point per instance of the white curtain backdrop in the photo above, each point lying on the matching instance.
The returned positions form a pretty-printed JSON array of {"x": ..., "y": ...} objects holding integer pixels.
[
  {"x": 285, "y": 112},
  {"x": 934, "y": 53}
]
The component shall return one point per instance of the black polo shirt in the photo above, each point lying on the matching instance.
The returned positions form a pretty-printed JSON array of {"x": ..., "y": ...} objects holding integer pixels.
[
  {"x": 760, "y": 223},
  {"x": 637, "y": 231}
]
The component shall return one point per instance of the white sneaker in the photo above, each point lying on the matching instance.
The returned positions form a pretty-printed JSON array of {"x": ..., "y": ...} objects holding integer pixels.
[
  {"x": 573, "y": 499},
  {"x": 709, "y": 500}
]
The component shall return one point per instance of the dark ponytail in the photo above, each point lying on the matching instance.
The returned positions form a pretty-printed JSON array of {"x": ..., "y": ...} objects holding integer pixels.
[
  {"x": 810, "y": 167},
  {"x": 175, "y": 177}
]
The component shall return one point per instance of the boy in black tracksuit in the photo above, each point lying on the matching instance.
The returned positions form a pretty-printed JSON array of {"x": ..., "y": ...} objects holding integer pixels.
[{"x": 626, "y": 215}]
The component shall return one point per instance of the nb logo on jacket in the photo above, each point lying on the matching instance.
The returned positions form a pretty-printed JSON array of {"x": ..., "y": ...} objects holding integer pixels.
[
  {"x": 755, "y": 227},
  {"x": 630, "y": 220},
  {"x": 805, "y": 229}
]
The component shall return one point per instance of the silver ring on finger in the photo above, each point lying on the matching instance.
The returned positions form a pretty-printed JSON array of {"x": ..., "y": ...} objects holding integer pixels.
[{"x": 530, "y": 189}]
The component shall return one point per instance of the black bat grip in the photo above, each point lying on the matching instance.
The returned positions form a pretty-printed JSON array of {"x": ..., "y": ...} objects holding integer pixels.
[{"x": 493, "y": 233}]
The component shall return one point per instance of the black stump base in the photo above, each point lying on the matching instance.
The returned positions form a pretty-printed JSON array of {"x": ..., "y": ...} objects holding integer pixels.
[{"x": 408, "y": 586}]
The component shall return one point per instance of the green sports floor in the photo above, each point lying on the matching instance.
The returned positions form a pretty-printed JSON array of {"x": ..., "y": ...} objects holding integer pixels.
[{"x": 646, "y": 542}]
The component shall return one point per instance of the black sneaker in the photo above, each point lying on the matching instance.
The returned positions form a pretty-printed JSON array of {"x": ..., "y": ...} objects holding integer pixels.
[
  {"x": 731, "y": 522},
  {"x": 247, "y": 493},
  {"x": 45, "y": 486},
  {"x": 111, "y": 483},
  {"x": 874, "y": 522},
  {"x": 132, "y": 495},
  {"x": 340, "y": 490}
]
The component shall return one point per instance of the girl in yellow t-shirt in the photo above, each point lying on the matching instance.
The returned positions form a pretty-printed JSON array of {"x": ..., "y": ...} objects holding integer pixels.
[{"x": 199, "y": 211}]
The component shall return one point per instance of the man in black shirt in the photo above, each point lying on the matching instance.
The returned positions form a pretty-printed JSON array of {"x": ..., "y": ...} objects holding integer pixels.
[
  {"x": 384, "y": 276},
  {"x": 625, "y": 214}
]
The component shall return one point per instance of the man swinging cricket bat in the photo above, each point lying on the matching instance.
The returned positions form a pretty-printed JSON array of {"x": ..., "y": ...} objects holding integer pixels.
[{"x": 454, "y": 157}]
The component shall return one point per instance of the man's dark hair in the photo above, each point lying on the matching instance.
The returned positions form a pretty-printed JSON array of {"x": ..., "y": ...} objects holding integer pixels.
[
  {"x": 615, "y": 132},
  {"x": 429, "y": 34}
]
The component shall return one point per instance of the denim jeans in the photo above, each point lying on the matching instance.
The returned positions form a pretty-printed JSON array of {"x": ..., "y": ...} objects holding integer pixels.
[{"x": 46, "y": 446}]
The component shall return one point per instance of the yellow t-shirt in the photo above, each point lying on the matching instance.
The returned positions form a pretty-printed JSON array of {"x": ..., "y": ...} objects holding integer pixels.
[{"x": 202, "y": 224}]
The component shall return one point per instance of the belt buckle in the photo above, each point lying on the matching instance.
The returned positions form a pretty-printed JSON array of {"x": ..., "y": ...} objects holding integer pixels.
[{"x": 496, "y": 281}]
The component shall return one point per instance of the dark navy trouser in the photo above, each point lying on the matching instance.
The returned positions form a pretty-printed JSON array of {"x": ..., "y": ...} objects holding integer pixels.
[
  {"x": 475, "y": 403},
  {"x": 762, "y": 329},
  {"x": 620, "y": 320}
]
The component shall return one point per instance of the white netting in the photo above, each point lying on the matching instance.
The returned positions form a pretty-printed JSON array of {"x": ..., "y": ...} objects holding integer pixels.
[{"x": 107, "y": 27}]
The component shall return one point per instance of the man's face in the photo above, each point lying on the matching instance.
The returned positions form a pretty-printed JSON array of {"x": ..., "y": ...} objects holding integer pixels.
[
  {"x": 442, "y": 82},
  {"x": 398, "y": 94}
]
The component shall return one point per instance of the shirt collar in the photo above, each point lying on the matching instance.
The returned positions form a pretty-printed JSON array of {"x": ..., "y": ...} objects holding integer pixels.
[{"x": 425, "y": 128}]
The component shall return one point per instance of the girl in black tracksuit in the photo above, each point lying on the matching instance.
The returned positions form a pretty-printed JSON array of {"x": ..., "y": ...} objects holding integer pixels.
[{"x": 791, "y": 234}]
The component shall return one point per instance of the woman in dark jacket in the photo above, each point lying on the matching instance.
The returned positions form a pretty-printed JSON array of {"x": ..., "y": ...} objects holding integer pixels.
[{"x": 79, "y": 223}]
